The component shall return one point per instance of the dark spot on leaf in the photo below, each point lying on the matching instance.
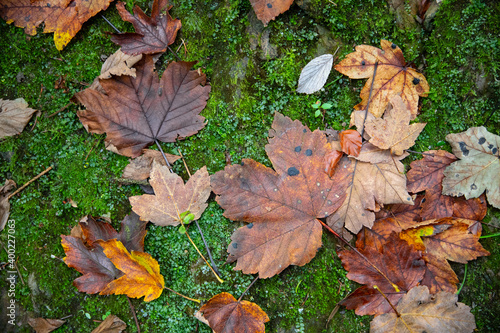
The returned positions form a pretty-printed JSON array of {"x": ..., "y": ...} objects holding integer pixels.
[
  {"x": 363, "y": 63},
  {"x": 490, "y": 146},
  {"x": 242, "y": 163},
  {"x": 304, "y": 131},
  {"x": 494, "y": 150},
  {"x": 48, "y": 5},
  {"x": 27, "y": 18},
  {"x": 298, "y": 149},
  {"x": 409, "y": 198},
  {"x": 269, "y": 5},
  {"x": 415, "y": 80},
  {"x": 250, "y": 226},
  {"x": 299, "y": 201},
  {"x": 235, "y": 245},
  {"x": 418, "y": 262},
  {"x": 293, "y": 171},
  {"x": 423, "y": 200},
  {"x": 482, "y": 140},
  {"x": 463, "y": 148},
  {"x": 309, "y": 152},
  {"x": 473, "y": 187},
  {"x": 362, "y": 214},
  {"x": 329, "y": 202},
  {"x": 393, "y": 46}
]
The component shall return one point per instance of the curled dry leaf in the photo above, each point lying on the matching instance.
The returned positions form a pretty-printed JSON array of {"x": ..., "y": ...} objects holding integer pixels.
[
  {"x": 478, "y": 168},
  {"x": 4, "y": 202},
  {"x": 421, "y": 312},
  {"x": 141, "y": 272},
  {"x": 315, "y": 73},
  {"x": 140, "y": 167},
  {"x": 394, "y": 131},
  {"x": 227, "y": 315},
  {"x": 393, "y": 77},
  {"x": 350, "y": 141},
  {"x": 14, "y": 115},
  {"x": 281, "y": 206},
  {"x": 394, "y": 269},
  {"x": 153, "y": 34},
  {"x": 42, "y": 325},
  {"x": 172, "y": 197},
  {"x": 267, "y": 10},
  {"x": 62, "y": 17},
  {"x": 112, "y": 324},
  {"x": 135, "y": 112}
]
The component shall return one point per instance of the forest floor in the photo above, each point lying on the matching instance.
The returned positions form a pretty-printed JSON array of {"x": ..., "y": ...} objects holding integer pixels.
[{"x": 253, "y": 72}]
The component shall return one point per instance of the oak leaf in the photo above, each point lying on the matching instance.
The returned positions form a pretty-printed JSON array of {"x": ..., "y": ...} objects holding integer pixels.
[
  {"x": 135, "y": 112},
  {"x": 141, "y": 272},
  {"x": 478, "y": 168},
  {"x": 267, "y": 10},
  {"x": 14, "y": 115},
  {"x": 394, "y": 269},
  {"x": 421, "y": 312},
  {"x": 393, "y": 77},
  {"x": 62, "y": 17},
  {"x": 42, "y": 325},
  {"x": 227, "y": 315},
  {"x": 172, "y": 197},
  {"x": 153, "y": 34},
  {"x": 282, "y": 206},
  {"x": 394, "y": 131}
]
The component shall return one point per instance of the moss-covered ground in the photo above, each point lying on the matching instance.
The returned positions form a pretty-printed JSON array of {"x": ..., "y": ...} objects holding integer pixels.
[{"x": 253, "y": 71}]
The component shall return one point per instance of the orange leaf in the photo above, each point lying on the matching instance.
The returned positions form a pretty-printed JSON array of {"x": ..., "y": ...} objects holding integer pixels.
[
  {"x": 142, "y": 272},
  {"x": 267, "y": 10},
  {"x": 226, "y": 315},
  {"x": 393, "y": 77},
  {"x": 350, "y": 140},
  {"x": 63, "y": 17},
  {"x": 332, "y": 158}
]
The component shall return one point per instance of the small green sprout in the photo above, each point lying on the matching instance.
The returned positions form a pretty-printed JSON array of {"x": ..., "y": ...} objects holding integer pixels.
[
  {"x": 186, "y": 218},
  {"x": 319, "y": 107}
]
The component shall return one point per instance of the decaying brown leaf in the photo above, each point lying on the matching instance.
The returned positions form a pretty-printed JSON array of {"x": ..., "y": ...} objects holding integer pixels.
[
  {"x": 267, "y": 10},
  {"x": 112, "y": 324},
  {"x": 153, "y": 34},
  {"x": 393, "y": 77},
  {"x": 350, "y": 141},
  {"x": 140, "y": 167},
  {"x": 422, "y": 312},
  {"x": 394, "y": 131},
  {"x": 42, "y": 325},
  {"x": 137, "y": 111},
  {"x": 227, "y": 315},
  {"x": 4, "y": 202},
  {"x": 394, "y": 269},
  {"x": 62, "y": 17},
  {"x": 478, "y": 168},
  {"x": 14, "y": 115},
  {"x": 281, "y": 206},
  {"x": 172, "y": 197}
]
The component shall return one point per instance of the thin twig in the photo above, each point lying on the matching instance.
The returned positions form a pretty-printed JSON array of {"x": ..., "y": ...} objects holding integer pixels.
[
  {"x": 15, "y": 265},
  {"x": 419, "y": 152},
  {"x": 66, "y": 317},
  {"x": 133, "y": 312},
  {"x": 111, "y": 24},
  {"x": 251, "y": 284},
  {"x": 189, "y": 298},
  {"x": 93, "y": 146},
  {"x": 184, "y": 161},
  {"x": 392, "y": 306},
  {"x": 60, "y": 110},
  {"x": 30, "y": 181},
  {"x": 173, "y": 52}
]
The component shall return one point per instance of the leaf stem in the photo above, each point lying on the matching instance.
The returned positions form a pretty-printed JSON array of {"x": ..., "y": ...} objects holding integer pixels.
[
  {"x": 133, "y": 313},
  {"x": 181, "y": 295},
  {"x": 392, "y": 306},
  {"x": 463, "y": 281},
  {"x": 251, "y": 284},
  {"x": 492, "y": 235},
  {"x": 111, "y": 24}
]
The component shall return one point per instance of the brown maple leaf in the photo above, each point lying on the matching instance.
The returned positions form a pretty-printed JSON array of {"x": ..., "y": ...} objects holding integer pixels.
[
  {"x": 14, "y": 115},
  {"x": 419, "y": 311},
  {"x": 153, "y": 34},
  {"x": 172, "y": 197},
  {"x": 227, "y": 315},
  {"x": 282, "y": 206},
  {"x": 140, "y": 167},
  {"x": 478, "y": 168},
  {"x": 42, "y": 325},
  {"x": 393, "y": 77},
  {"x": 267, "y": 10},
  {"x": 141, "y": 272},
  {"x": 63, "y": 17},
  {"x": 394, "y": 131},
  {"x": 394, "y": 269},
  {"x": 136, "y": 112},
  {"x": 112, "y": 324}
]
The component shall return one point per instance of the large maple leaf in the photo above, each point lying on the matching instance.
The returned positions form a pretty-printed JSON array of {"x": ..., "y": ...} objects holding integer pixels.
[
  {"x": 394, "y": 269},
  {"x": 282, "y": 206},
  {"x": 419, "y": 311},
  {"x": 141, "y": 272},
  {"x": 393, "y": 77},
  {"x": 267, "y": 10},
  {"x": 478, "y": 168},
  {"x": 63, "y": 17},
  {"x": 227, "y": 315},
  {"x": 172, "y": 197},
  {"x": 153, "y": 34},
  {"x": 136, "y": 112}
]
